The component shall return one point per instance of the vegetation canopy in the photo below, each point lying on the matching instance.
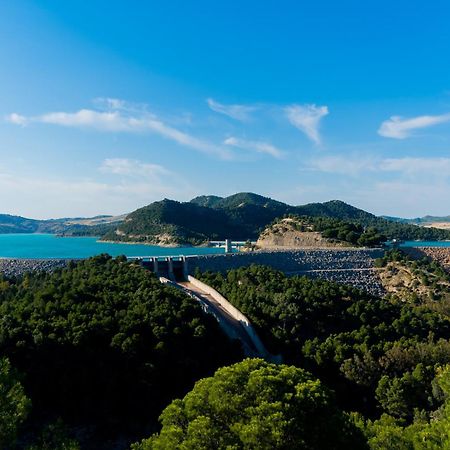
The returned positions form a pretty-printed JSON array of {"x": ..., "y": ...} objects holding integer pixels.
[
  {"x": 257, "y": 405},
  {"x": 103, "y": 345}
]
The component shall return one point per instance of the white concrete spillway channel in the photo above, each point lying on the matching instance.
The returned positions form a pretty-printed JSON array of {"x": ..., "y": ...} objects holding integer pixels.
[{"x": 230, "y": 319}]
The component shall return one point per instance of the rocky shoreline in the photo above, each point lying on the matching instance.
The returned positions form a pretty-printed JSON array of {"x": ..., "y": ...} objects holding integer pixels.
[
  {"x": 439, "y": 254},
  {"x": 16, "y": 267}
]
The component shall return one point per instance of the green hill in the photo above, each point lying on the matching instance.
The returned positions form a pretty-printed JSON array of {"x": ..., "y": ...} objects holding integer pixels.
[
  {"x": 170, "y": 223},
  {"x": 240, "y": 216},
  {"x": 206, "y": 200},
  {"x": 244, "y": 216}
]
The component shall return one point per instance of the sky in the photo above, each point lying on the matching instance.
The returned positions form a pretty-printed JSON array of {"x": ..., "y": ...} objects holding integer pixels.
[{"x": 107, "y": 106}]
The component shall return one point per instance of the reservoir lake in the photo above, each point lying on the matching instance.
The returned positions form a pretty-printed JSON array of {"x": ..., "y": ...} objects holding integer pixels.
[{"x": 41, "y": 246}]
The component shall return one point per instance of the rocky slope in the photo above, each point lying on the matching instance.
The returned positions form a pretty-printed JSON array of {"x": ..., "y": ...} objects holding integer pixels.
[{"x": 286, "y": 234}]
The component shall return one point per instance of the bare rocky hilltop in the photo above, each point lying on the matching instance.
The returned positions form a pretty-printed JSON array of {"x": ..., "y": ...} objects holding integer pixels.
[{"x": 286, "y": 234}]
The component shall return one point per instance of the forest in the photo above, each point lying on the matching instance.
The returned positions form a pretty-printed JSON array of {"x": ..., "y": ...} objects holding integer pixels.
[
  {"x": 385, "y": 360},
  {"x": 101, "y": 347},
  {"x": 101, "y": 355}
]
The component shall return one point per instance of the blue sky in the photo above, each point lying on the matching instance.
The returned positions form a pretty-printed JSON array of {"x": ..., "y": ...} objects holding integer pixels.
[{"x": 106, "y": 106}]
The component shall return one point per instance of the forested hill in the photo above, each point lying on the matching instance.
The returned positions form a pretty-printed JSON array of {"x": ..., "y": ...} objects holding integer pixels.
[
  {"x": 243, "y": 216},
  {"x": 240, "y": 216}
]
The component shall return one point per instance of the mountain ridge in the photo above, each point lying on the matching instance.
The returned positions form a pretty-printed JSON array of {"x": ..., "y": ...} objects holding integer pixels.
[
  {"x": 239, "y": 216},
  {"x": 243, "y": 216}
]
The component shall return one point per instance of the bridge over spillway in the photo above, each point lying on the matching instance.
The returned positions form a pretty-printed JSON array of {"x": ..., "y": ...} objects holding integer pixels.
[{"x": 171, "y": 267}]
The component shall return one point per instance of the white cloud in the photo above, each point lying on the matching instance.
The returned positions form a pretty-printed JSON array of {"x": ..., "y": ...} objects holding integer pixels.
[
  {"x": 237, "y": 112},
  {"x": 16, "y": 119},
  {"x": 132, "y": 167},
  {"x": 399, "y": 128},
  {"x": 126, "y": 120},
  {"x": 258, "y": 146},
  {"x": 342, "y": 165},
  {"x": 307, "y": 119}
]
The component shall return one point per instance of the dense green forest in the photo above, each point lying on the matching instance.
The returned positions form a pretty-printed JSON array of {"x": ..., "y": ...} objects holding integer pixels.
[
  {"x": 256, "y": 405},
  {"x": 102, "y": 346},
  {"x": 380, "y": 357},
  {"x": 92, "y": 354},
  {"x": 244, "y": 216}
]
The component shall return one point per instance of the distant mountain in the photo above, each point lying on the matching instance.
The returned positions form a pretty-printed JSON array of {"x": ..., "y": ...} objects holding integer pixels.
[
  {"x": 240, "y": 216},
  {"x": 426, "y": 220},
  {"x": 17, "y": 224},
  {"x": 243, "y": 216},
  {"x": 93, "y": 226}
]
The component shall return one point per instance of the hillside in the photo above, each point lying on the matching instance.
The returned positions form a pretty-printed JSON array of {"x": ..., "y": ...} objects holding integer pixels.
[
  {"x": 17, "y": 224},
  {"x": 290, "y": 233},
  {"x": 244, "y": 216},
  {"x": 240, "y": 216},
  {"x": 417, "y": 279},
  {"x": 442, "y": 223},
  {"x": 206, "y": 200},
  {"x": 172, "y": 223},
  {"x": 80, "y": 226},
  {"x": 318, "y": 232},
  {"x": 168, "y": 222}
]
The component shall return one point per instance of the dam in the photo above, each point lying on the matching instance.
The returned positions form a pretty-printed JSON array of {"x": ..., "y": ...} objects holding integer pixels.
[{"x": 347, "y": 266}]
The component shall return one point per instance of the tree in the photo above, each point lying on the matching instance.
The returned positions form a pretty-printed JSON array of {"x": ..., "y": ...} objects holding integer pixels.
[
  {"x": 432, "y": 434},
  {"x": 104, "y": 345},
  {"x": 14, "y": 404},
  {"x": 254, "y": 404}
]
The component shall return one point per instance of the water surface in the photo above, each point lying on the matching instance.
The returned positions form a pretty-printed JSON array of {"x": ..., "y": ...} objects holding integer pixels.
[
  {"x": 50, "y": 246},
  {"x": 425, "y": 244}
]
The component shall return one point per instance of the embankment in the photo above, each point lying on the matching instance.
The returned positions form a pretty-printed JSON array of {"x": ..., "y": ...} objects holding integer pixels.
[{"x": 347, "y": 266}]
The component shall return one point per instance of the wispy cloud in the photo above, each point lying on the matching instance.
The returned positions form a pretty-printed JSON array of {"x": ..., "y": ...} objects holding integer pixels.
[
  {"x": 257, "y": 146},
  {"x": 122, "y": 186},
  {"x": 400, "y": 128},
  {"x": 16, "y": 119},
  {"x": 342, "y": 165},
  {"x": 237, "y": 112},
  {"x": 439, "y": 167},
  {"x": 125, "y": 120},
  {"x": 357, "y": 165},
  {"x": 307, "y": 119},
  {"x": 132, "y": 167}
]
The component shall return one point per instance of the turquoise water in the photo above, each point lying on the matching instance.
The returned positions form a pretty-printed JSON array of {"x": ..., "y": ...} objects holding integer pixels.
[
  {"x": 425, "y": 244},
  {"x": 51, "y": 246}
]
